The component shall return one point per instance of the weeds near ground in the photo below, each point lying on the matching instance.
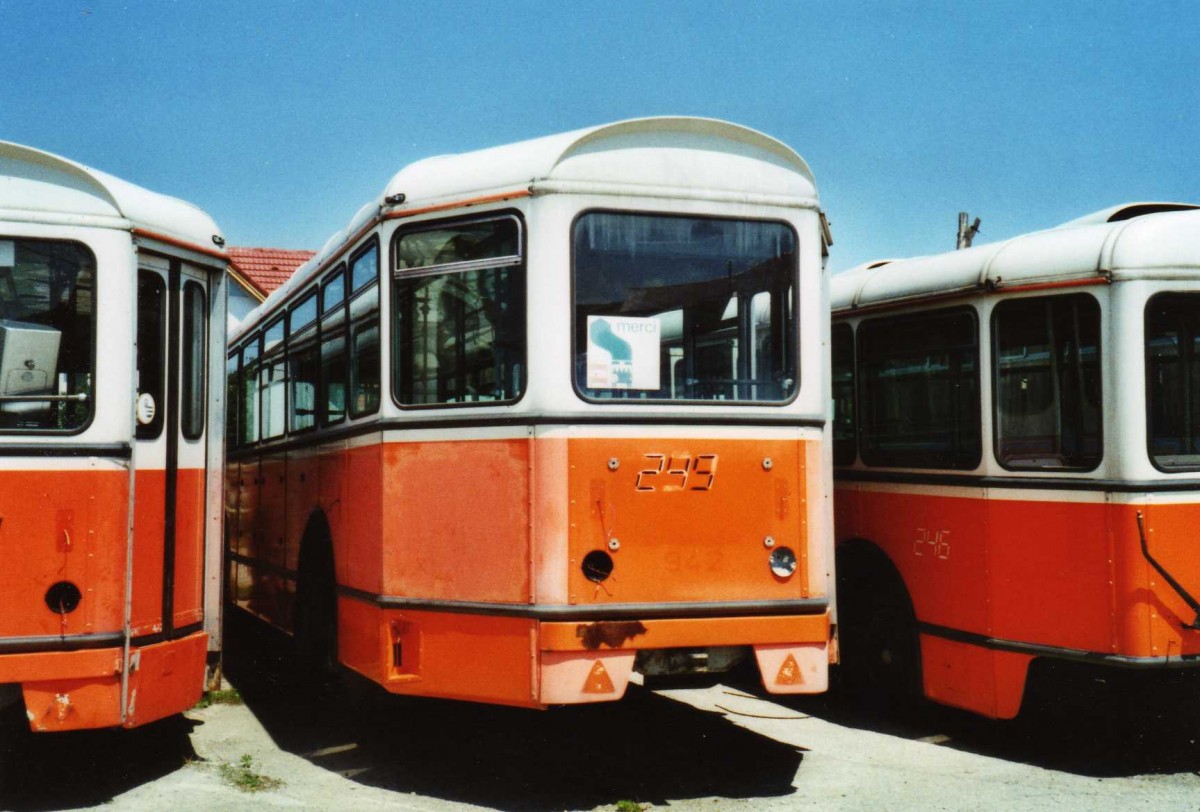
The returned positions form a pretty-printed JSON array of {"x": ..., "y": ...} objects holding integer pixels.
[
  {"x": 629, "y": 806},
  {"x": 229, "y": 696},
  {"x": 243, "y": 776}
]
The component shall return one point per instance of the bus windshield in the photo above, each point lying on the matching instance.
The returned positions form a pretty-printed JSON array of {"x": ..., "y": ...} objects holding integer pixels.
[
  {"x": 684, "y": 308},
  {"x": 1173, "y": 380}
]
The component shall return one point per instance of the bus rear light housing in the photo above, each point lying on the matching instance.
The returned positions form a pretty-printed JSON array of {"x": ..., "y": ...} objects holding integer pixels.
[
  {"x": 63, "y": 598},
  {"x": 597, "y": 566},
  {"x": 782, "y": 561}
]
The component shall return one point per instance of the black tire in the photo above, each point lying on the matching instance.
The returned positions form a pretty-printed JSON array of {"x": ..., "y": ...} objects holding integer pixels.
[
  {"x": 316, "y": 607},
  {"x": 880, "y": 656}
]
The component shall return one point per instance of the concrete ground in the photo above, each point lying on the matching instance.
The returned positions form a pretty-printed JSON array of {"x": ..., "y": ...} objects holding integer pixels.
[{"x": 721, "y": 747}]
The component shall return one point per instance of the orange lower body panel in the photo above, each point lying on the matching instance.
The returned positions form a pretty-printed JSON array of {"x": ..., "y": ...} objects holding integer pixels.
[
  {"x": 974, "y": 678},
  {"x": 167, "y": 678},
  {"x": 999, "y": 581},
  {"x": 482, "y": 533},
  {"x": 80, "y": 690}
]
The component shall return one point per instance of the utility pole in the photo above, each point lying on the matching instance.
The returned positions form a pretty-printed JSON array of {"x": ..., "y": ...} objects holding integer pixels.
[{"x": 966, "y": 233}]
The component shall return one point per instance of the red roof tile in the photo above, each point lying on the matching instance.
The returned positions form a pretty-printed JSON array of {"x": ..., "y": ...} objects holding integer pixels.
[{"x": 266, "y": 268}]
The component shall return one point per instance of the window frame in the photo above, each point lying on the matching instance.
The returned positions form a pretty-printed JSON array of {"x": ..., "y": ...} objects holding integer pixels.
[
  {"x": 993, "y": 361},
  {"x": 1147, "y": 438},
  {"x": 327, "y": 280},
  {"x": 233, "y": 415},
  {"x": 255, "y": 341},
  {"x": 845, "y": 460},
  {"x": 795, "y": 334},
  {"x": 154, "y": 429},
  {"x": 193, "y": 404},
  {"x": 313, "y": 342},
  {"x": 395, "y": 275},
  {"x": 871, "y": 457},
  {"x": 277, "y": 354},
  {"x": 93, "y": 399},
  {"x": 353, "y": 293}
]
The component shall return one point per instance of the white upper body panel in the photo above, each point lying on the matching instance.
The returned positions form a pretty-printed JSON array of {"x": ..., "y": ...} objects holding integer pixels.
[
  {"x": 692, "y": 157},
  {"x": 668, "y": 152},
  {"x": 1109, "y": 244},
  {"x": 36, "y": 186}
]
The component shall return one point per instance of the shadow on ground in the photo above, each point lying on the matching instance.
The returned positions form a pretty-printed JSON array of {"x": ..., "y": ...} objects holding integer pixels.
[
  {"x": 645, "y": 748},
  {"x": 1097, "y": 722},
  {"x": 86, "y": 768}
]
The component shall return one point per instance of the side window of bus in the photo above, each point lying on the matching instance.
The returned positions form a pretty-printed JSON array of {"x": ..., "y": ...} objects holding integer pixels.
[
  {"x": 195, "y": 344},
  {"x": 47, "y": 330},
  {"x": 364, "y": 332},
  {"x": 233, "y": 411},
  {"x": 151, "y": 352},
  {"x": 1046, "y": 374},
  {"x": 919, "y": 390},
  {"x": 248, "y": 387},
  {"x": 1173, "y": 381},
  {"x": 332, "y": 391},
  {"x": 302, "y": 364},
  {"x": 844, "y": 439},
  {"x": 459, "y": 310},
  {"x": 271, "y": 381}
]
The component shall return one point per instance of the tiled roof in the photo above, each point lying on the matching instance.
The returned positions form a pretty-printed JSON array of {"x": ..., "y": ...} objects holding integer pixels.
[{"x": 266, "y": 268}]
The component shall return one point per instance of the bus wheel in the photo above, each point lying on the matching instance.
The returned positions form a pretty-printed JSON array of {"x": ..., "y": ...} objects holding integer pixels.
[
  {"x": 316, "y": 609},
  {"x": 880, "y": 658}
]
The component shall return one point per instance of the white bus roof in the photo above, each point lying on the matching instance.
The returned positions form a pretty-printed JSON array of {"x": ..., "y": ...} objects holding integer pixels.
[
  {"x": 36, "y": 186},
  {"x": 646, "y": 152},
  {"x": 655, "y": 157},
  {"x": 1127, "y": 241}
]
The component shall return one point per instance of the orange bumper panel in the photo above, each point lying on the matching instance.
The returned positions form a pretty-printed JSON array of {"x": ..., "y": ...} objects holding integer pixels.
[
  {"x": 49, "y": 665},
  {"x": 167, "y": 678},
  {"x": 81, "y": 690}
]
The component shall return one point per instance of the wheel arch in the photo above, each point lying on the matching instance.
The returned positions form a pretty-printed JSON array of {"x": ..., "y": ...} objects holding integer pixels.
[
  {"x": 316, "y": 542},
  {"x": 868, "y": 576},
  {"x": 859, "y": 555}
]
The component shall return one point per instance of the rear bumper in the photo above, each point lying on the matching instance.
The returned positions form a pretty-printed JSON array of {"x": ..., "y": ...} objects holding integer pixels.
[
  {"x": 682, "y": 632},
  {"x": 526, "y": 656},
  {"x": 592, "y": 662},
  {"x": 77, "y": 690}
]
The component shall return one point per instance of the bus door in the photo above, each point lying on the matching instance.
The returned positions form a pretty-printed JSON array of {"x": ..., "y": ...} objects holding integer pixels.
[{"x": 169, "y": 457}]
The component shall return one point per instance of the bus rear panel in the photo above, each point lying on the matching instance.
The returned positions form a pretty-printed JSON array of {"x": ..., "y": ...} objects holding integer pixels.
[{"x": 561, "y": 432}]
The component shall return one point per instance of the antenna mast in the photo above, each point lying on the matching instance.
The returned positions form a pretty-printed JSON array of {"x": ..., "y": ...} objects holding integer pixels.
[{"x": 966, "y": 233}]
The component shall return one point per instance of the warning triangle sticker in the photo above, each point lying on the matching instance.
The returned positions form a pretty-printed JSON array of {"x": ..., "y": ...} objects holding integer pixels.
[
  {"x": 789, "y": 672},
  {"x": 598, "y": 681}
]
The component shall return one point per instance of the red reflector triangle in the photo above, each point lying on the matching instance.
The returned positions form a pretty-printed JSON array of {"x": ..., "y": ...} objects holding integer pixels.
[
  {"x": 598, "y": 681},
  {"x": 789, "y": 672}
]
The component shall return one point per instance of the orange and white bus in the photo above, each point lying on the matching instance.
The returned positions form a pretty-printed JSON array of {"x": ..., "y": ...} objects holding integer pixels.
[
  {"x": 545, "y": 414},
  {"x": 1017, "y": 452},
  {"x": 112, "y": 308}
]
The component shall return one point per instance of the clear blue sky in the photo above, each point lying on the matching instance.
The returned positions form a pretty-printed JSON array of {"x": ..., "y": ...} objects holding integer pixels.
[{"x": 281, "y": 118}]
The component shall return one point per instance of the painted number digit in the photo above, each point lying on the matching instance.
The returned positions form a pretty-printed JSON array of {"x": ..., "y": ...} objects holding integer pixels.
[
  {"x": 922, "y": 540},
  {"x": 678, "y": 467},
  {"x": 676, "y": 471},
  {"x": 934, "y": 543},
  {"x": 705, "y": 469},
  {"x": 647, "y": 474},
  {"x": 941, "y": 547}
]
